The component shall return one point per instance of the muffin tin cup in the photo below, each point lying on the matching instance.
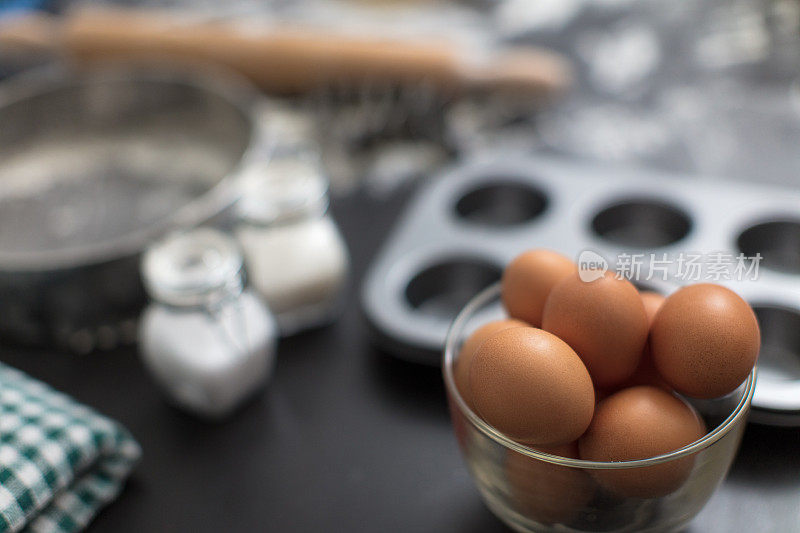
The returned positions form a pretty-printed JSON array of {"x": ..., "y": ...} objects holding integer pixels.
[{"x": 465, "y": 225}]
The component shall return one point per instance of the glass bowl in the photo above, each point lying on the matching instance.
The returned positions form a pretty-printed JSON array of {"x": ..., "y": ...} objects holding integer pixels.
[{"x": 532, "y": 491}]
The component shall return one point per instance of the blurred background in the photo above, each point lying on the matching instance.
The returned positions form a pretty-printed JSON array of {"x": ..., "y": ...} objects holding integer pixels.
[
  {"x": 121, "y": 122},
  {"x": 684, "y": 87}
]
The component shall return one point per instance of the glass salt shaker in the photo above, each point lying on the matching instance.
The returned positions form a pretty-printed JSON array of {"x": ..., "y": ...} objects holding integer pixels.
[
  {"x": 296, "y": 257},
  {"x": 208, "y": 341}
]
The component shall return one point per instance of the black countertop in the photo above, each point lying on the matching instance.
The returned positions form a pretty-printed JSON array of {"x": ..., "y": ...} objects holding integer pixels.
[{"x": 345, "y": 438}]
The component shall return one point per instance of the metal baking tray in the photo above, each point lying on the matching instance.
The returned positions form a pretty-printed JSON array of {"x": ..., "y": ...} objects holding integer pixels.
[{"x": 466, "y": 224}]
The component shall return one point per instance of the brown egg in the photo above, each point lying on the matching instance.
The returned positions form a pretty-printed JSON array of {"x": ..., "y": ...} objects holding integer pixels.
[
  {"x": 461, "y": 370},
  {"x": 602, "y": 394},
  {"x": 546, "y": 492},
  {"x": 531, "y": 386},
  {"x": 639, "y": 423},
  {"x": 652, "y": 302},
  {"x": 705, "y": 340},
  {"x": 646, "y": 373},
  {"x": 604, "y": 321},
  {"x": 527, "y": 281}
]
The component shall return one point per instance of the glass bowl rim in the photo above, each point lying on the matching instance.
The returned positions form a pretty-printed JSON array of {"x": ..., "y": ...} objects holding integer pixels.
[{"x": 492, "y": 291}]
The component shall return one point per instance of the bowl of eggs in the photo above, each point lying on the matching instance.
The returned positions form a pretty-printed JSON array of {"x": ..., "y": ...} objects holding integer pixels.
[{"x": 583, "y": 404}]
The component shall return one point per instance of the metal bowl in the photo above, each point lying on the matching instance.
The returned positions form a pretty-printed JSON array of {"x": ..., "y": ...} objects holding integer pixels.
[{"x": 93, "y": 167}]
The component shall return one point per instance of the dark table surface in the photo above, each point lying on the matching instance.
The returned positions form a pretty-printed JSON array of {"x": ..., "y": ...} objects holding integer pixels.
[{"x": 345, "y": 438}]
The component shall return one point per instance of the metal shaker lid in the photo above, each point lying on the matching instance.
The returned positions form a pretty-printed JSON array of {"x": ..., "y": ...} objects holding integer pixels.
[
  {"x": 192, "y": 268},
  {"x": 290, "y": 186}
]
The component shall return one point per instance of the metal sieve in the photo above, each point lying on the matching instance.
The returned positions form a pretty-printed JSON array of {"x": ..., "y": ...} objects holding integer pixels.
[{"x": 94, "y": 165}]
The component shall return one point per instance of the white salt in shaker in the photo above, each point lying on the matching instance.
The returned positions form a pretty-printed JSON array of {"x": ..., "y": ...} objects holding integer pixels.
[
  {"x": 209, "y": 342},
  {"x": 295, "y": 255}
]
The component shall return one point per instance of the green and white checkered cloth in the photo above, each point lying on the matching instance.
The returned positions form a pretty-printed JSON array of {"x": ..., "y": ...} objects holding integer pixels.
[{"x": 60, "y": 461}]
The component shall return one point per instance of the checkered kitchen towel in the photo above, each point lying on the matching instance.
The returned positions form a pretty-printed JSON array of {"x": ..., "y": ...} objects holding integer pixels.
[{"x": 60, "y": 461}]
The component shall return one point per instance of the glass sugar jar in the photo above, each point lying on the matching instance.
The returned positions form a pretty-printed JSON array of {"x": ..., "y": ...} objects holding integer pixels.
[
  {"x": 296, "y": 257},
  {"x": 208, "y": 341}
]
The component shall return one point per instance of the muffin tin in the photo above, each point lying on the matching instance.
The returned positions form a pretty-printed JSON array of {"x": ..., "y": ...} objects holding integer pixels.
[{"x": 465, "y": 225}]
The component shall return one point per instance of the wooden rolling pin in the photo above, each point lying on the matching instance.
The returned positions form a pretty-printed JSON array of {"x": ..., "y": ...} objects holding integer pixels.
[{"x": 285, "y": 61}]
